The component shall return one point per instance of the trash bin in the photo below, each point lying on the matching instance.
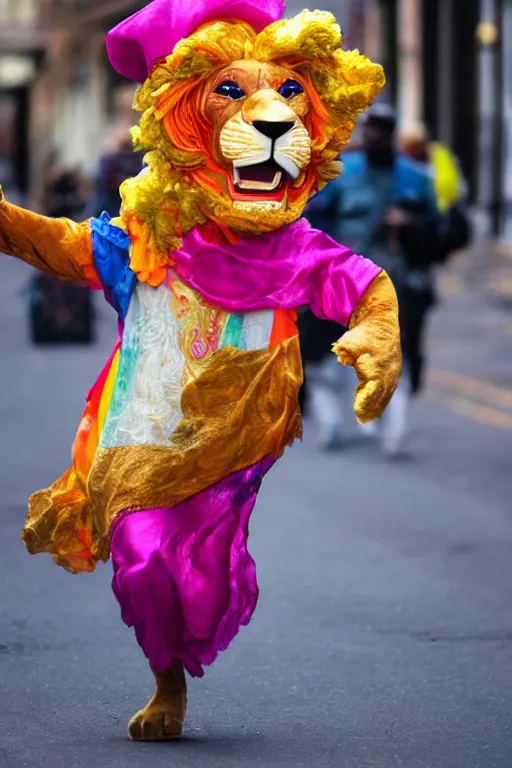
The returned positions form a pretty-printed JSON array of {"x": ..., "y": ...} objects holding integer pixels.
[{"x": 59, "y": 313}]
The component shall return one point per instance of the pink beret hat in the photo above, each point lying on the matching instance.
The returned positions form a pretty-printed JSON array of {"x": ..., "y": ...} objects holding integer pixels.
[{"x": 151, "y": 33}]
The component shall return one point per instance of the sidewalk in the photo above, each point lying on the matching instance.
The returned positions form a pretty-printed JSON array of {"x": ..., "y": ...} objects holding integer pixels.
[
  {"x": 470, "y": 336},
  {"x": 500, "y": 277}
]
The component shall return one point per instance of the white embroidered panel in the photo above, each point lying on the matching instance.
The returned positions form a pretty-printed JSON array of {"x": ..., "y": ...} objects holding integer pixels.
[
  {"x": 146, "y": 402},
  {"x": 145, "y": 407}
]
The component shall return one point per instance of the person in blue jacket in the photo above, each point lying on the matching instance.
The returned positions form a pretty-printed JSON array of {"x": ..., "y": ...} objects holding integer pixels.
[{"x": 382, "y": 205}]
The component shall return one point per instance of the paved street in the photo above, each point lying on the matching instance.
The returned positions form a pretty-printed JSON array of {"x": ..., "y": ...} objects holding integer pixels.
[{"x": 383, "y": 636}]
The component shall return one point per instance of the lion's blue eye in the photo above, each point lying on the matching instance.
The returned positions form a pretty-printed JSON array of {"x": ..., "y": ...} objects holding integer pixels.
[
  {"x": 290, "y": 89},
  {"x": 230, "y": 90}
]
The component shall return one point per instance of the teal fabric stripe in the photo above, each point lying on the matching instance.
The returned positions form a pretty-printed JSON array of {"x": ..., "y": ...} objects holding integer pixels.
[
  {"x": 127, "y": 367},
  {"x": 233, "y": 332}
]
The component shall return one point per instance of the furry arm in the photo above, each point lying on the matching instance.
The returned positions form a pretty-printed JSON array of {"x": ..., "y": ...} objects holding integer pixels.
[
  {"x": 372, "y": 347},
  {"x": 59, "y": 247}
]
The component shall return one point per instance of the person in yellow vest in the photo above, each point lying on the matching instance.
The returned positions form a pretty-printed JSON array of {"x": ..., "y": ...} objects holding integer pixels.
[
  {"x": 450, "y": 185},
  {"x": 452, "y": 233}
]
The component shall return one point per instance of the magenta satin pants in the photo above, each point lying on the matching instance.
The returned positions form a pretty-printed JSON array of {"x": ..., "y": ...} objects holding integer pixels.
[{"x": 183, "y": 575}]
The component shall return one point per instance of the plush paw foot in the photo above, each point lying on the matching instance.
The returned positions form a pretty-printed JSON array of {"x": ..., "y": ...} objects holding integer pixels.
[
  {"x": 154, "y": 723},
  {"x": 162, "y": 719}
]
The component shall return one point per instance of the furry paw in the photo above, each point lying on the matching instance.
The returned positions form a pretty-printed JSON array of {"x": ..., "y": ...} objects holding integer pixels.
[{"x": 154, "y": 723}]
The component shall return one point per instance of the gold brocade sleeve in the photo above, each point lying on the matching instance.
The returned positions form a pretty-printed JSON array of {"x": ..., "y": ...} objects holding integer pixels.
[
  {"x": 372, "y": 347},
  {"x": 60, "y": 247},
  {"x": 59, "y": 522}
]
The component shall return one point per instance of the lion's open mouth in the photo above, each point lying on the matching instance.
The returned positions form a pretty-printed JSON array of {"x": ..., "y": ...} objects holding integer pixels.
[{"x": 259, "y": 179}]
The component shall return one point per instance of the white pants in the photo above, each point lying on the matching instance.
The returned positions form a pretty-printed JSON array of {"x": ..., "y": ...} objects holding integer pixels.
[
  {"x": 331, "y": 393},
  {"x": 394, "y": 420},
  {"x": 331, "y": 397}
]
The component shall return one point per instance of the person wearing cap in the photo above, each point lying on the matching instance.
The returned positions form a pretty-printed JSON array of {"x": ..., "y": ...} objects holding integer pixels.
[{"x": 243, "y": 116}]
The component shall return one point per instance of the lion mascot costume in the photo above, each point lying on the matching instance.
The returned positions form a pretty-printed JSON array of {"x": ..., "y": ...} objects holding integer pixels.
[{"x": 243, "y": 117}]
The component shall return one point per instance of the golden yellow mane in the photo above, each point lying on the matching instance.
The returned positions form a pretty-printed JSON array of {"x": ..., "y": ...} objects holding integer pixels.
[{"x": 176, "y": 192}]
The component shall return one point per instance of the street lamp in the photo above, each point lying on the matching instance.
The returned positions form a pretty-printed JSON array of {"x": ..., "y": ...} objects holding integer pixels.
[
  {"x": 487, "y": 33},
  {"x": 490, "y": 130}
]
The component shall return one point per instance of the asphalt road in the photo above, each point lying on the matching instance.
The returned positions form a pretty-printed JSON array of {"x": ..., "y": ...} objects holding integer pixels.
[{"x": 383, "y": 636}]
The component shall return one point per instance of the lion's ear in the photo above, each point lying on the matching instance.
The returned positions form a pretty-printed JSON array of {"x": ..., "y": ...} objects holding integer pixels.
[
  {"x": 358, "y": 71},
  {"x": 347, "y": 84},
  {"x": 351, "y": 85},
  {"x": 311, "y": 35}
]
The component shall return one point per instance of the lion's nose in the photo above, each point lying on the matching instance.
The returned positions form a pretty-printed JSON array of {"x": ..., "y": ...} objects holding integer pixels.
[{"x": 273, "y": 129}]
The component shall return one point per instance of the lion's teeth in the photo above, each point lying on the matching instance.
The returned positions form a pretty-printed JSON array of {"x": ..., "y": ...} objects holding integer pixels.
[{"x": 265, "y": 186}]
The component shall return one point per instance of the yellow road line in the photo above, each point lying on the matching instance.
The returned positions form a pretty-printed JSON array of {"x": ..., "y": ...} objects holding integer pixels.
[
  {"x": 504, "y": 249},
  {"x": 463, "y": 407},
  {"x": 471, "y": 387},
  {"x": 501, "y": 284},
  {"x": 449, "y": 285}
]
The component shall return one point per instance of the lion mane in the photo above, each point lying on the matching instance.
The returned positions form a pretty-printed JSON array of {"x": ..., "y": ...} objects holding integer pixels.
[{"x": 177, "y": 190}]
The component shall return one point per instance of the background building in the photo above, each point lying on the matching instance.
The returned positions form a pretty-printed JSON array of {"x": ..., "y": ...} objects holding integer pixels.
[
  {"x": 58, "y": 94},
  {"x": 448, "y": 64},
  {"x": 22, "y": 45}
]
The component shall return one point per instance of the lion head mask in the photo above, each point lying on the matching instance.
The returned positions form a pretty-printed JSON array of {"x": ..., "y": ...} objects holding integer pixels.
[{"x": 244, "y": 115}]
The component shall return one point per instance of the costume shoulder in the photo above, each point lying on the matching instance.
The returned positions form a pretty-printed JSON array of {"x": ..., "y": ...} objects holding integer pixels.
[
  {"x": 105, "y": 230},
  {"x": 111, "y": 249}
]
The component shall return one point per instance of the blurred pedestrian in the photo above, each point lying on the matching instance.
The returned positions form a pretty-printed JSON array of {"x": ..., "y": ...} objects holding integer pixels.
[
  {"x": 117, "y": 165},
  {"x": 61, "y": 312},
  {"x": 450, "y": 186},
  {"x": 114, "y": 168},
  {"x": 384, "y": 205},
  {"x": 118, "y": 161},
  {"x": 326, "y": 390},
  {"x": 65, "y": 192}
]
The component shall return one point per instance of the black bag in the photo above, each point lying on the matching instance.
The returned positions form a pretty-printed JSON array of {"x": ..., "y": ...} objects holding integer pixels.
[
  {"x": 457, "y": 229},
  {"x": 428, "y": 241},
  {"x": 59, "y": 313}
]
